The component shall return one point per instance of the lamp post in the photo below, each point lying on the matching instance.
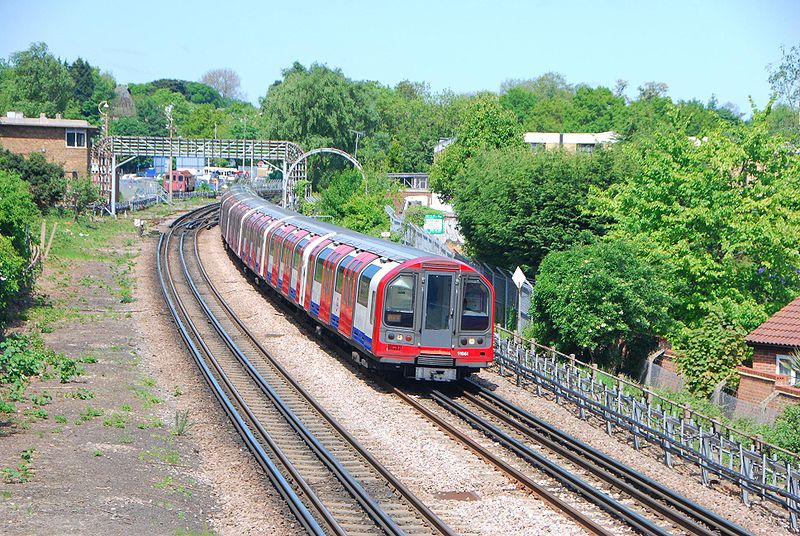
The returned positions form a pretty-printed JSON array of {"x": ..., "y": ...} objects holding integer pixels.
[
  {"x": 103, "y": 107},
  {"x": 168, "y": 112}
]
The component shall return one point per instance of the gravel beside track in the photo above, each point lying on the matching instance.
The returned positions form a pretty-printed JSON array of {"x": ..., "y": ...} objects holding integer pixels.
[
  {"x": 469, "y": 495},
  {"x": 762, "y": 519},
  {"x": 248, "y": 502}
]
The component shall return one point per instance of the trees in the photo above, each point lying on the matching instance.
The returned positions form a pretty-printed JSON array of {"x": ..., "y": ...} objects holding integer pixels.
[
  {"x": 602, "y": 300},
  {"x": 81, "y": 194},
  {"x": 225, "y": 81},
  {"x": 18, "y": 213},
  {"x": 39, "y": 82},
  {"x": 46, "y": 180},
  {"x": 516, "y": 205},
  {"x": 785, "y": 77},
  {"x": 317, "y": 107},
  {"x": 357, "y": 203},
  {"x": 722, "y": 211},
  {"x": 485, "y": 124}
]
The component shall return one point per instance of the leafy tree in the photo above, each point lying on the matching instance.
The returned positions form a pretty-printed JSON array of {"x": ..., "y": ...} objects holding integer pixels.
[
  {"x": 201, "y": 121},
  {"x": 485, "y": 125},
  {"x": 724, "y": 211},
  {"x": 785, "y": 77},
  {"x": 81, "y": 194},
  {"x": 516, "y": 205},
  {"x": 18, "y": 213},
  {"x": 602, "y": 300},
  {"x": 357, "y": 203},
  {"x": 39, "y": 83},
  {"x": 594, "y": 110},
  {"x": 225, "y": 81},
  {"x": 317, "y": 106},
  {"x": 202, "y": 94},
  {"x": 46, "y": 180},
  {"x": 83, "y": 79},
  {"x": 710, "y": 353}
]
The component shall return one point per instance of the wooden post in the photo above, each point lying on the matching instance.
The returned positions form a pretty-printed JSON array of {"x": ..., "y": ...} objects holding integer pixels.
[{"x": 50, "y": 242}]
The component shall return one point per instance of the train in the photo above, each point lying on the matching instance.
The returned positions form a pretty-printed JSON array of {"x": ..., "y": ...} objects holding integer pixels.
[
  {"x": 182, "y": 181},
  {"x": 400, "y": 310}
]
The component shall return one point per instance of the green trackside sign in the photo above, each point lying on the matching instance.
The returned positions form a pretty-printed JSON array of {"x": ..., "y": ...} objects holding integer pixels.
[{"x": 434, "y": 223}]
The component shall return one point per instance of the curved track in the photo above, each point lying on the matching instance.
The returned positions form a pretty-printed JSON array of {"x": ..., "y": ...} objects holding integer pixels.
[
  {"x": 626, "y": 495},
  {"x": 330, "y": 483}
]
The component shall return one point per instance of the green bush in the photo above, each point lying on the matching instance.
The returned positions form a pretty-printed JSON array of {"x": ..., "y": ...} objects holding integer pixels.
[
  {"x": 11, "y": 275},
  {"x": 416, "y": 214},
  {"x": 786, "y": 432},
  {"x": 710, "y": 353}
]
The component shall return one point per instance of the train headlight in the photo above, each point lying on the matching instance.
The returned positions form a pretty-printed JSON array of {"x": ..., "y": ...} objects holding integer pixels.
[
  {"x": 390, "y": 336},
  {"x": 472, "y": 340},
  {"x": 408, "y": 338},
  {"x": 480, "y": 340},
  {"x": 463, "y": 341}
]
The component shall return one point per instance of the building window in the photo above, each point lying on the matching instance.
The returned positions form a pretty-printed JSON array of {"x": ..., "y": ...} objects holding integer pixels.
[
  {"x": 76, "y": 138},
  {"x": 584, "y": 147},
  {"x": 784, "y": 366}
]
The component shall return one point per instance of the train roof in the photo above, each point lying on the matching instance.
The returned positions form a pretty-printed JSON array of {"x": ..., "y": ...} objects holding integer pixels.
[{"x": 384, "y": 248}]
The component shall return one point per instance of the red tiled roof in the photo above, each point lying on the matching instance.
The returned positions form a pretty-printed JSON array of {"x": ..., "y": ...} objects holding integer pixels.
[{"x": 781, "y": 329}]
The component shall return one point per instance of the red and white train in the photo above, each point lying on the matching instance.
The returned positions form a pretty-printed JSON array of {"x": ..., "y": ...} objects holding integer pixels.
[{"x": 401, "y": 309}]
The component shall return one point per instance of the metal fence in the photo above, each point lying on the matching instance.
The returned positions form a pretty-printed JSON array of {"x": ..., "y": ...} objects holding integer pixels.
[
  {"x": 142, "y": 203},
  {"x": 732, "y": 407},
  {"x": 511, "y": 305},
  {"x": 757, "y": 468}
]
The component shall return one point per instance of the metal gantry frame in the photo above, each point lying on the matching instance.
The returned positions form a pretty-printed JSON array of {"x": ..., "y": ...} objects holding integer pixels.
[{"x": 109, "y": 153}]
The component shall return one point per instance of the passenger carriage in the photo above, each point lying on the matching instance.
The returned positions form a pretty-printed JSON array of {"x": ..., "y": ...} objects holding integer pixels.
[{"x": 428, "y": 317}]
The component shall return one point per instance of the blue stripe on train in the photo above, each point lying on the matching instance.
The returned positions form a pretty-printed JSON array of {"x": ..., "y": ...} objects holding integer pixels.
[
  {"x": 314, "y": 309},
  {"x": 334, "y": 321},
  {"x": 361, "y": 338},
  {"x": 292, "y": 293}
]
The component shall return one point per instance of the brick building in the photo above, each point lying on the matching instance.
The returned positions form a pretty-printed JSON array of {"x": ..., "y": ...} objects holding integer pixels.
[
  {"x": 62, "y": 141},
  {"x": 771, "y": 381}
]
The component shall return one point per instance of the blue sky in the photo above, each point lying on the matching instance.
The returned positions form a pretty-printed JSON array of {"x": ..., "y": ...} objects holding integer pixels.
[{"x": 696, "y": 47}]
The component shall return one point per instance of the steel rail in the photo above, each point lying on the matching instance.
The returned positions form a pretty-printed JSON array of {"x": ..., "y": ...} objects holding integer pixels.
[
  {"x": 367, "y": 502},
  {"x": 313, "y": 498},
  {"x": 602, "y": 465},
  {"x": 420, "y": 506},
  {"x": 295, "y": 504},
  {"x": 584, "y": 521},
  {"x": 552, "y": 469}
]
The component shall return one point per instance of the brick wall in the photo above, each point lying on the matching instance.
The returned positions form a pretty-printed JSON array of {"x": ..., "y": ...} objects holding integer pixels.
[
  {"x": 50, "y": 141},
  {"x": 754, "y": 387}
]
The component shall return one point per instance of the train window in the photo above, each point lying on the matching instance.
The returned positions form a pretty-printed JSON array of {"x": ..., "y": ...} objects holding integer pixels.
[
  {"x": 320, "y": 264},
  {"x": 372, "y": 309},
  {"x": 475, "y": 306},
  {"x": 437, "y": 302},
  {"x": 340, "y": 275},
  {"x": 400, "y": 301},
  {"x": 363, "y": 284}
]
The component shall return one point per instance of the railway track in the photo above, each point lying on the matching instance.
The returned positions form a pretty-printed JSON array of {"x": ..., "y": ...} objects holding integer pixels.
[
  {"x": 329, "y": 482},
  {"x": 642, "y": 504}
]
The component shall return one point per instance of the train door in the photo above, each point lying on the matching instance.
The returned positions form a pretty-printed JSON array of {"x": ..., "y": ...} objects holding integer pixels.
[
  {"x": 328, "y": 277},
  {"x": 316, "y": 283},
  {"x": 259, "y": 241},
  {"x": 336, "y": 300},
  {"x": 277, "y": 249},
  {"x": 241, "y": 231},
  {"x": 280, "y": 256},
  {"x": 348, "y": 293},
  {"x": 297, "y": 263},
  {"x": 437, "y": 310},
  {"x": 285, "y": 254},
  {"x": 362, "y": 334}
]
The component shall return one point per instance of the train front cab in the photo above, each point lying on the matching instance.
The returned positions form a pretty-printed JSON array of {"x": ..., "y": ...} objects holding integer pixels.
[{"x": 437, "y": 321}]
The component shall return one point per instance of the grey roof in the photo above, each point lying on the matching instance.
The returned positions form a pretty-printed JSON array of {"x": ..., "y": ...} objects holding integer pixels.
[
  {"x": 45, "y": 122},
  {"x": 384, "y": 248}
]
